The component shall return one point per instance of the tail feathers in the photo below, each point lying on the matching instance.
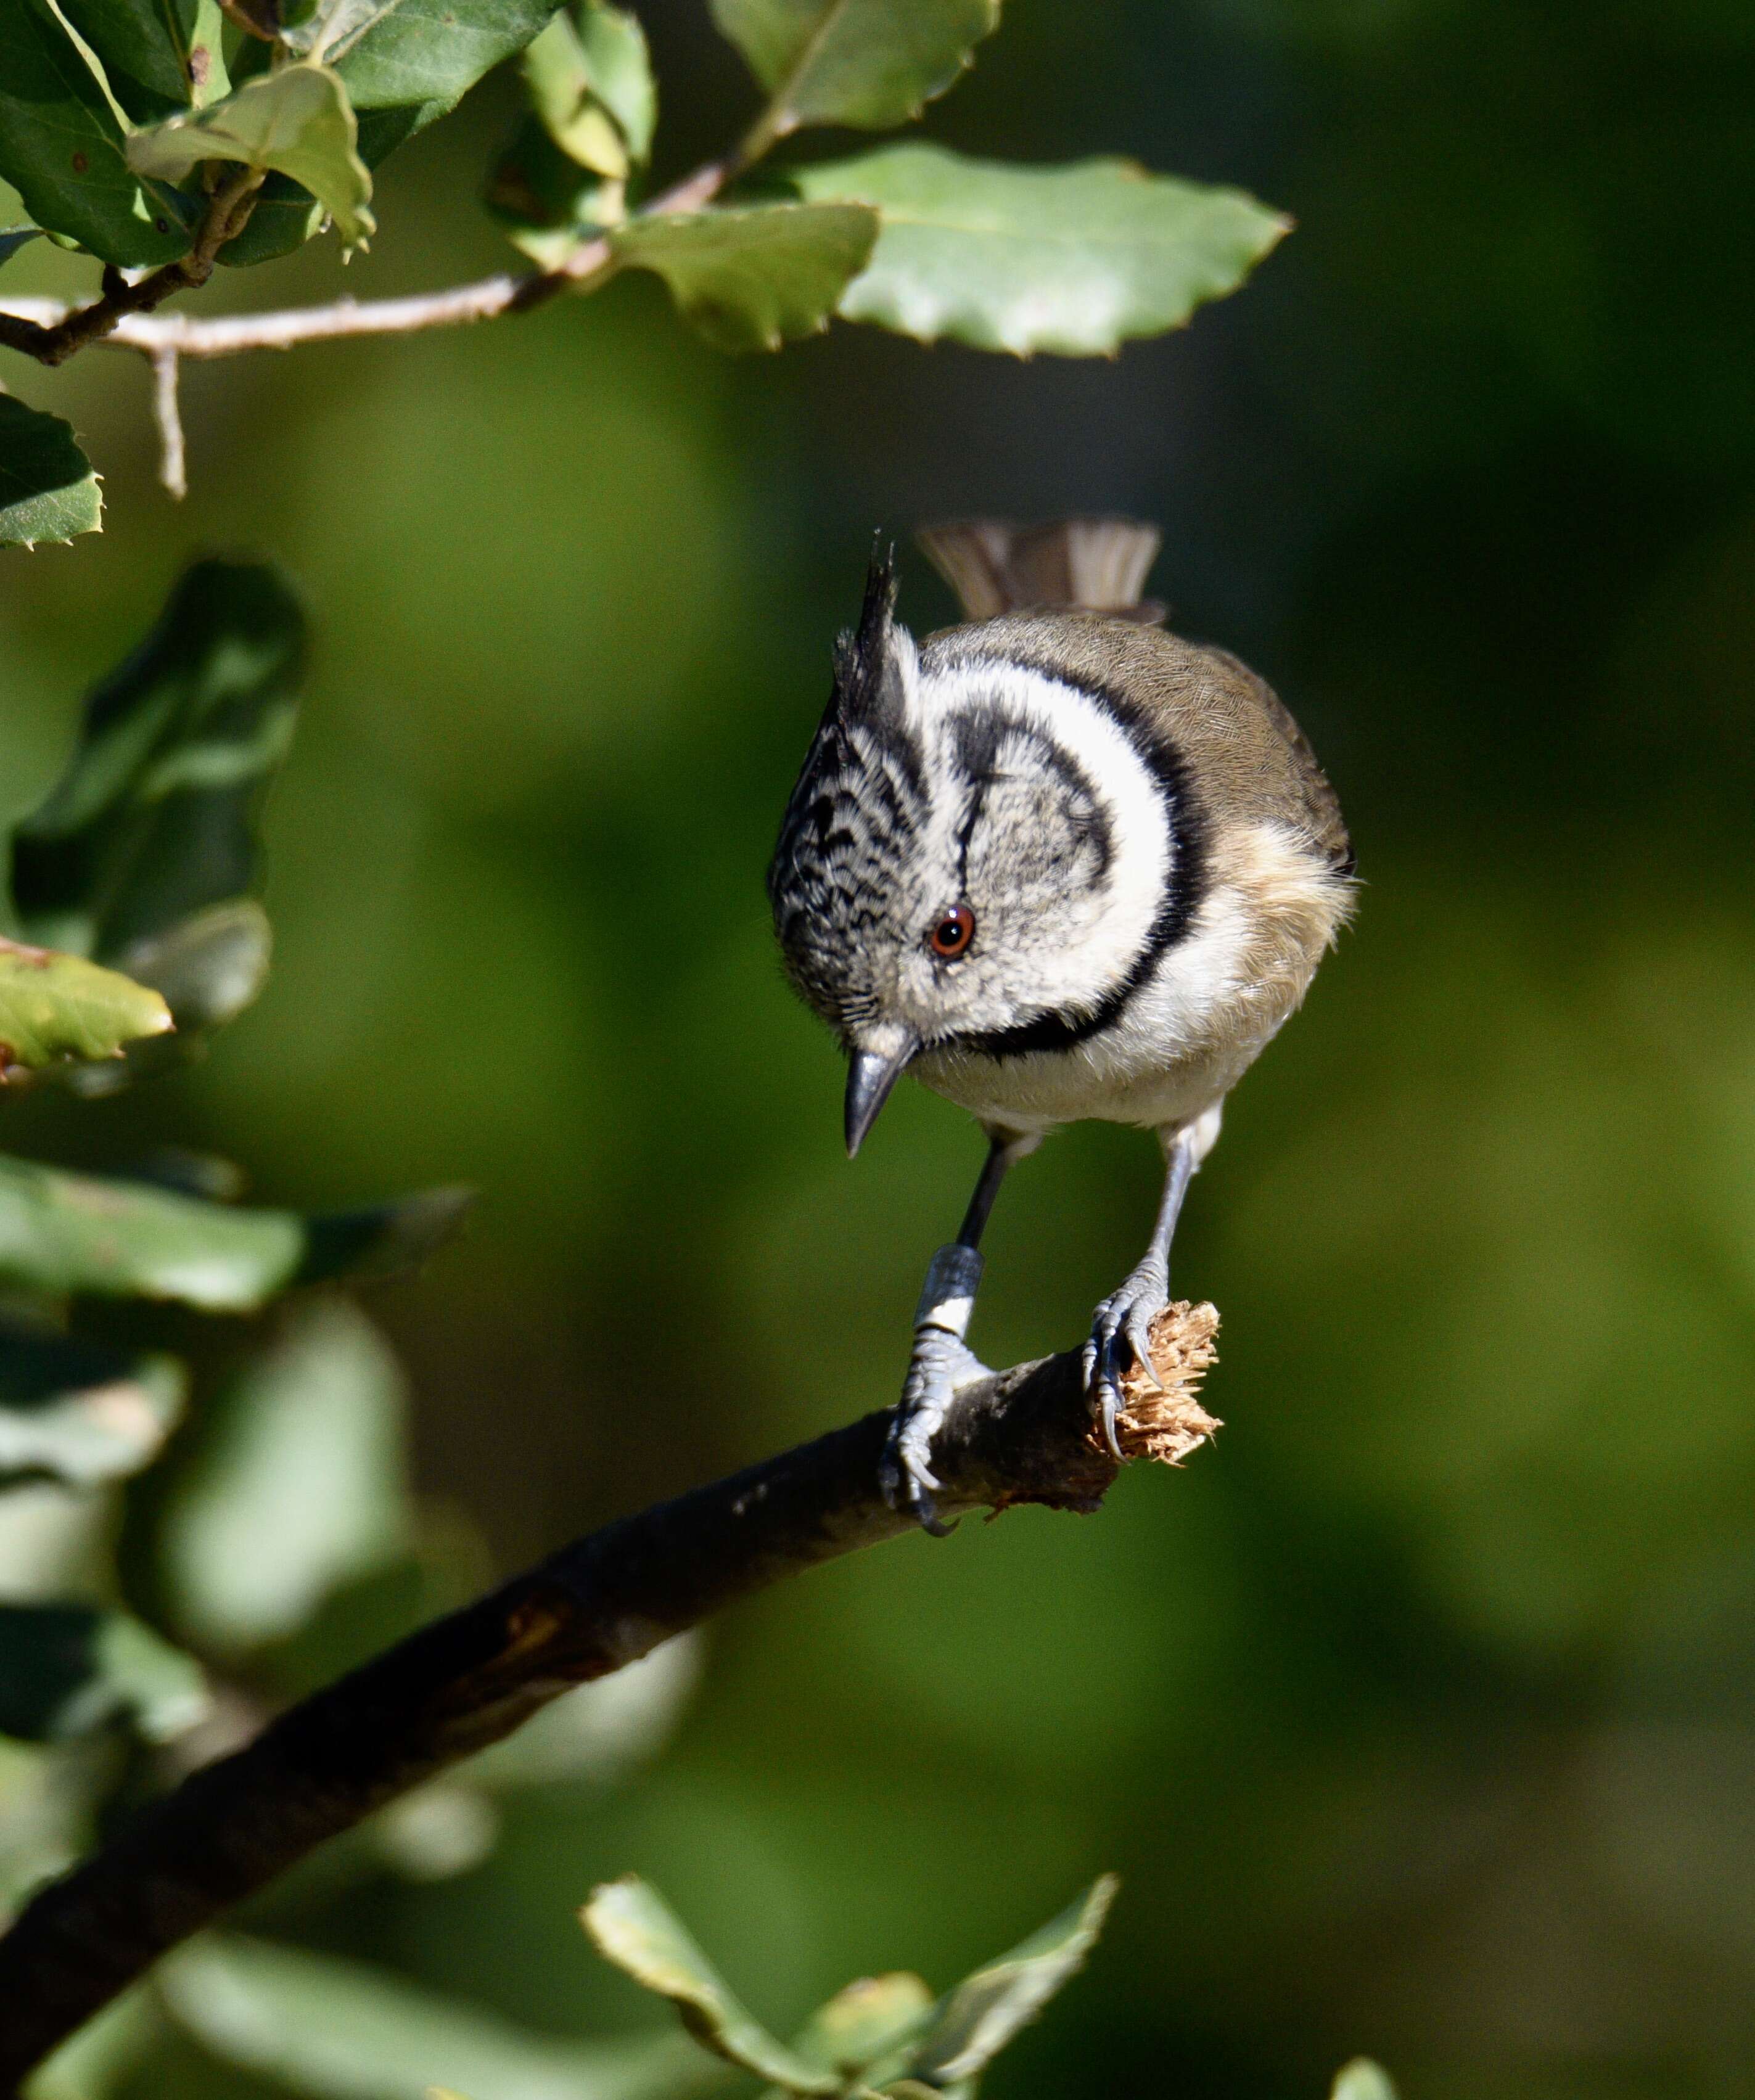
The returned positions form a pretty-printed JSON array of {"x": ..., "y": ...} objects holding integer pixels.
[{"x": 1097, "y": 563}]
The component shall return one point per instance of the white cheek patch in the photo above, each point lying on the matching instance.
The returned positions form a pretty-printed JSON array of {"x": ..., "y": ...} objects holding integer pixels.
[{"x": 1097, "y": 931}]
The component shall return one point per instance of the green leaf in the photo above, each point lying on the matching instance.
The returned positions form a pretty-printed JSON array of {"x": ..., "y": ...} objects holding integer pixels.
[
  {"x": 48, "y": 491},
  {"x": 633, "y": 1927},
  {"x": 861, "y": 2028},
  {"x": 299, "y": 1486},
  {"x": 547, "y": 201},
  {"x": 974, "y": 2021},
  {"x": 1362, "y": 2080},
  {"x": 68, "y": 1670},
  {"x": 61, "y": 148},
  {"x": 866, "y": 63},
  {"x": 391, "y": 52},
  {"x": 61, "y": 1232},
  {"x": 750, "y": 278},
  {"x": 77, "y": 1412},
  {"x": 159, "y": 55},
  {"x": 297, "y": 122},
  {"x": 54, "y": 1008},
  {"x": 337, "y": 2030},
  {"x": 153, "y": 820},
  {"x": 1072, "y": 259}
]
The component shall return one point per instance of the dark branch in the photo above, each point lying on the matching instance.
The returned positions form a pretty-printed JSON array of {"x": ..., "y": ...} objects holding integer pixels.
[{"x": 466, "y": 1680}]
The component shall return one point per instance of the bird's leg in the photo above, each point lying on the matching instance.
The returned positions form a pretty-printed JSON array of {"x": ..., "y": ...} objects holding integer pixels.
[
  {"x": 941, "y": 1359},
  {"x": 1121, "y": 1325}
]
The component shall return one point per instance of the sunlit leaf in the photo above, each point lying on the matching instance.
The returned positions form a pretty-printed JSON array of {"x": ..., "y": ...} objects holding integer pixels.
[
  {"x": 974, "y": 2021},
  {"x": 61, "y": 149},
  {"x": 48, "y": 491},
  {"x": 153, "y": 820},
  {"x": 633, "y": 1927},
  {"x": 299, "y": 1485},
  {"x": 297, "y": 122},
  {"x": 337, "y": 2030},
  {"x": 862, "y": 2028},
  {"x": 66, "y": 1669},
  {"x": 1072, "y": 259},
  {"x": 61, "y": 1232},
  {"x": 866, "y": 63},
  {"x": 57, "y": 1007},
  {"x": 79, "y": 1412},
  {"x": 392, "y": 52},
  {"x": 751, "y": 278},
  {"x": 159, "y": 56},
  {"x": 1362, "y": 2080}
]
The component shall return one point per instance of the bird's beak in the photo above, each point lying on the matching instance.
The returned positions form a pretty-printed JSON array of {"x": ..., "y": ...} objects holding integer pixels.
[{"x": 870, "y": 1076}]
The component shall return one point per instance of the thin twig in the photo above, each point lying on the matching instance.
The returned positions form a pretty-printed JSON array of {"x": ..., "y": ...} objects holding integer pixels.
[
  {"x": 168, "y": 415},
  {"x": 467, "y": 1680},
  {"x": 50, "y": 330}
]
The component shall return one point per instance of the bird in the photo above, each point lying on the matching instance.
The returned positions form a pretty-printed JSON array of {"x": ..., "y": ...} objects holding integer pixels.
[{"x": 1058, "y": 864}]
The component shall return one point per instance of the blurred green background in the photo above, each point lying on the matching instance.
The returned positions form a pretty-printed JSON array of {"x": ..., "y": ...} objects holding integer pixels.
[{"x": 1419, "y": 1715}]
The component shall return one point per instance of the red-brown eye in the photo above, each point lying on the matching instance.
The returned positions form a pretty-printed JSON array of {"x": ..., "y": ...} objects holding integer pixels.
[{"x": 955, "y": 930}]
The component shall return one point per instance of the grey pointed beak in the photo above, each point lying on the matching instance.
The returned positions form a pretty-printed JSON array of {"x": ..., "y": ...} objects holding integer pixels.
[{"x": 870, "y": 1076}]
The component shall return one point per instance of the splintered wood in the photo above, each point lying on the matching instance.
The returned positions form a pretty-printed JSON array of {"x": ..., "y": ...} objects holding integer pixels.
[{"x": 1168, "y": 1425}]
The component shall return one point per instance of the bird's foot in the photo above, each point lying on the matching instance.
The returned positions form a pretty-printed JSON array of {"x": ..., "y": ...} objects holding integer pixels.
[
  {"x": 941, "y": 1362},
  {"x": 1120, "y": 1330}
]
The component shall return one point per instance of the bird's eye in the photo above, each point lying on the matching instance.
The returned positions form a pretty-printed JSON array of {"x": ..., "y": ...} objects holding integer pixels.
[{"x": 950, "y": 937}]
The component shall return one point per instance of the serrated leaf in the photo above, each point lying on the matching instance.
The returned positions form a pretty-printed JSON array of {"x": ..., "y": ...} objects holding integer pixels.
[
  {"x": 61, "y": 149},
  {"x": 866, "y": 63},
  {"x": 48, "y": 492},
  {"x": 55, "y": 1008},
  {"x": 159, "y": 56},
  {"x": 339, "y": 2031},
  {"x": 68, "y": 1670},
  {"x": 1362, "y": 2080},
  {"x": 750, "y": 278},
  {"x": 391, "y": 52},
  {"x": 1072, "y": 259},
  {"x": 632, "y": 1926},
  {"x": 299, "y": 1484},
  {"x": 298, "y": 122},
  {"x": 974, "y": 2021},
  {"x": 153, "y": 820},
  {"x": 61, "y": 1232},
  {"x": 864, "y": 2025},
  {"x": 80, "y": 1412}
]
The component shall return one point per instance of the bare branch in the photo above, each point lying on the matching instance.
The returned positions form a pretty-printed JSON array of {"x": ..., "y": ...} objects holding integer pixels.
[
  {"x": 1023, "y": 1436},
  {"x": 168, "y": 415}
]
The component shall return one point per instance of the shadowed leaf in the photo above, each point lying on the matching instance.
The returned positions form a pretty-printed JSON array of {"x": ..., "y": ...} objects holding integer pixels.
[
  {"x": 299, "y": 1485},
  {"x": 633, "y": 1927},
  {"x": 75, "y": 1411},
  {"x": 153, "y": 820},
  {"x": 751, "y": 278},
  {"x": 297, "y": 122},
  {"x": 48, "y": 492},
  {"x": 66, "y": 1669},
  {"x": 866, "y": 63},
  {"x": 337, "y": 2030},
  {"x": 1073, "y": 259},
  {"x": 61, "y": 149},
  {"x": 974, "y": 2021},
  {"x": 54, "y": 1009},
  {"x": 62, "y": 1232}
]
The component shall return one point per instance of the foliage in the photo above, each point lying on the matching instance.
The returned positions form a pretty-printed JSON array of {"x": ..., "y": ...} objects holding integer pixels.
[{"x": 312, "y": 100}]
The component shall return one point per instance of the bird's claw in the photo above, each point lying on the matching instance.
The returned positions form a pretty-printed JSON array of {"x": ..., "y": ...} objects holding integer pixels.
[
  {"x": 1120, "y": 1328},
  {"x": 940, "y": 1363}
]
